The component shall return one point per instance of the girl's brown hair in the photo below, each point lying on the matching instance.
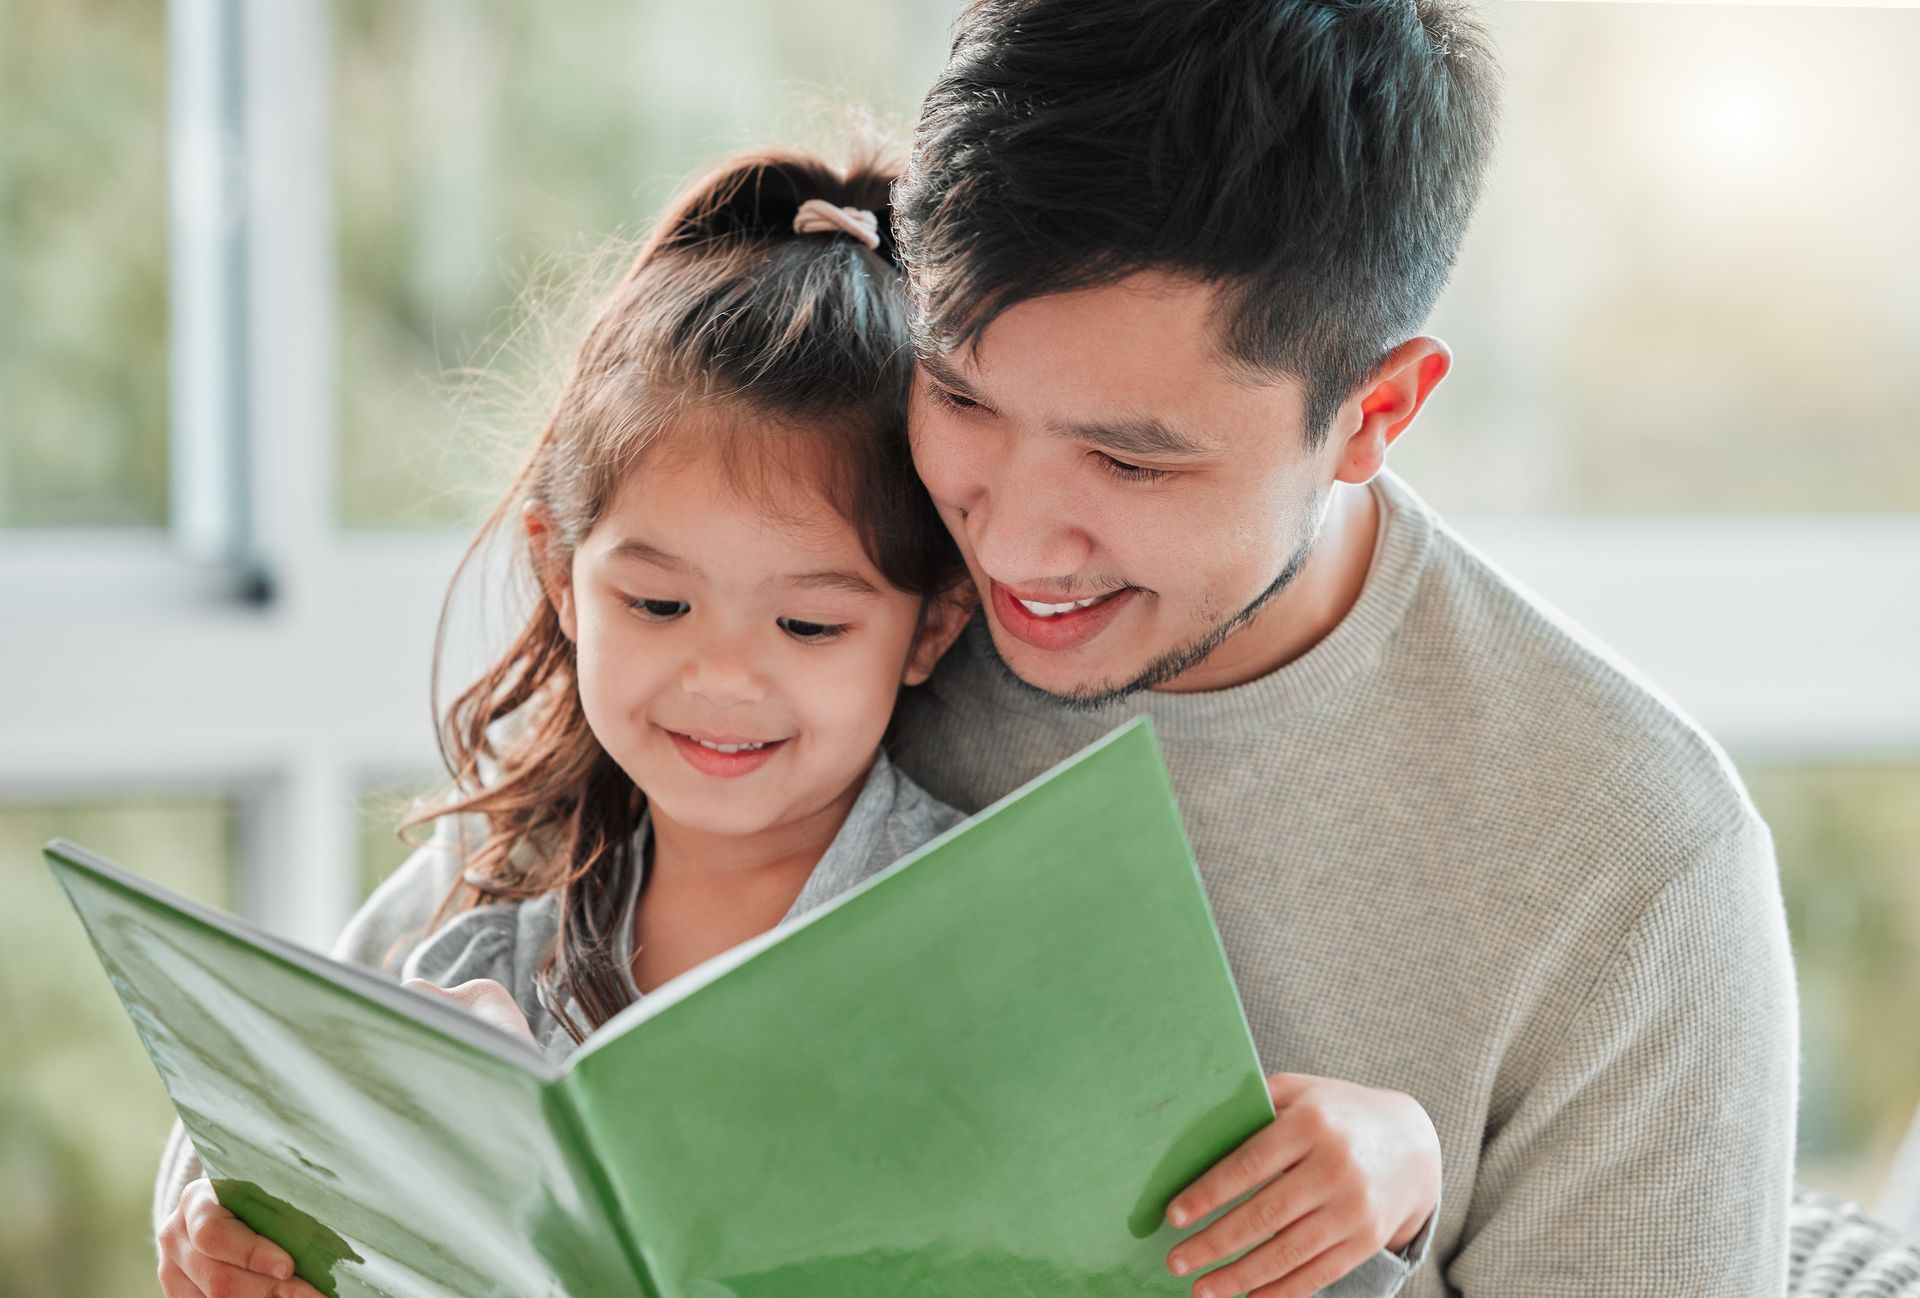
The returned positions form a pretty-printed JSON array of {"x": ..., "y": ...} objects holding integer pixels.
[{"x": 791, "y": 350}]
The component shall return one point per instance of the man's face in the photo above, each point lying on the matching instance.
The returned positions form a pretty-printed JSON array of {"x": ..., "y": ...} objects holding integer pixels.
[{"x": 1095, "y": 447}]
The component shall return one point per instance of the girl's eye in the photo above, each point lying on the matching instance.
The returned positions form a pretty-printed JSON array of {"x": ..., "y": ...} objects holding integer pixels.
[
  {"x": 951, "y": 400},
  {"x": 1131, "y": 472},
  {"x": 658, "y": 610},
  {"x": 813, "y": 632}
]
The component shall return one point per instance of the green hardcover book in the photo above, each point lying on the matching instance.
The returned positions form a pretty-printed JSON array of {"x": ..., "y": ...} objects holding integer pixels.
[{"x": 984, "y": 1071}]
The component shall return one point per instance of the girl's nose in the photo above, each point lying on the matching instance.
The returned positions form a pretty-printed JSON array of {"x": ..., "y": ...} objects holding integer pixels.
[{"x": 723, "y": 675}]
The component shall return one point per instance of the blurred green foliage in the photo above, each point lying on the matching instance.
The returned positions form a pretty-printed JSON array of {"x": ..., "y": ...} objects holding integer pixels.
[
  {"x": 1694, "y": 270},
  {"x": 486, "y": 153},
  {"x": 1848, "y": 837},
  {"x": 83, "y": 263},
  {"x": 382, "y": 805}
]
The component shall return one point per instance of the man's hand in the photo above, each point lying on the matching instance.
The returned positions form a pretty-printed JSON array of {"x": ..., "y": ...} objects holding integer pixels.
[
  {"x": 1342, "y": 1171},
  {"x": 487, "y": 1000}
]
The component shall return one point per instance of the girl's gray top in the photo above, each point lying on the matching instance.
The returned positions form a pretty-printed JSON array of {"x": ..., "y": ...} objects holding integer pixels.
[{"x": 508, "y": 941}]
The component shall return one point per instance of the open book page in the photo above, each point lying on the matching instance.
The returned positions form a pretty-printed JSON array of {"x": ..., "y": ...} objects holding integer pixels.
[{"x": 376, "y": 1140}]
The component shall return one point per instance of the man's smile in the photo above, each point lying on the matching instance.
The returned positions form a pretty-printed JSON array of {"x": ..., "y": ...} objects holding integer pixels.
[{"x": 1055, "y": 626}]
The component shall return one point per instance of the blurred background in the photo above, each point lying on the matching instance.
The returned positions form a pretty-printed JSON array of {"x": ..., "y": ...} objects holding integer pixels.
[{"x": 246, "y": 250}]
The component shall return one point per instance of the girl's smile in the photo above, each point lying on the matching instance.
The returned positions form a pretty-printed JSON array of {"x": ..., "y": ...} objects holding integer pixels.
[{"x": 725, "y": 758}]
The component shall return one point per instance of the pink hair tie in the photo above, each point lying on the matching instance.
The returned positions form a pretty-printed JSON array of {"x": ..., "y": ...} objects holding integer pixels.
[{"x": 817, "y": 216}]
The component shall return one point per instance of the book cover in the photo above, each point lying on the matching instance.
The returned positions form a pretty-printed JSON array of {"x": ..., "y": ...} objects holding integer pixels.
[{"x": 983, "y": 1071}]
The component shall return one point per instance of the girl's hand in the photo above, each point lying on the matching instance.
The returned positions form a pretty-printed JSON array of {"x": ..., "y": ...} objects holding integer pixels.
[
  {"x": 207, "y": 1252},
  {"x": 489, "y": 1001},
  {"x": 1342, "y": 1171}
]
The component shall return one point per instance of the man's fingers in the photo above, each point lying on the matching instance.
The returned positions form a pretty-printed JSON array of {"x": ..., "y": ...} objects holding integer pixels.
[
  {"x": 1318, "y": 1274},
  {"x": 1282, "y": 1088},
  {"x": 1264, "y": 1155},
  {"x": 1278, "y": 1259},
  {"x": 1270, "y": 1211}
]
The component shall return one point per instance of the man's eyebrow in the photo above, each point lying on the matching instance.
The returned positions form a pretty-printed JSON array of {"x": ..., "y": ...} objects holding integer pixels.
[
  {"x": 948, "y": 377},
  {"x": 1142, "y": 436},
  {"x": 632, "y": 550}
]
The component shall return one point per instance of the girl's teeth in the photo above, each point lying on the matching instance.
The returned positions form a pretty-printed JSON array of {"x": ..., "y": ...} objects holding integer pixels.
[
  {"x": 1055, "y": 610},
  {"x": 731, "y": 748}
]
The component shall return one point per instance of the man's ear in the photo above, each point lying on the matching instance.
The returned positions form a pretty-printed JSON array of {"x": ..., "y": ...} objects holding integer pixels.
[
  {"x": 549, "y": 566},
  {"x": 945, "y": 618},
  {"x": 1386, "y": 404}
]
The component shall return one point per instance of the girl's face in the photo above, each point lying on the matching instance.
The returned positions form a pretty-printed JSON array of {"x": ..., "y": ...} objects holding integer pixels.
[{"x": 739, "y": 659}]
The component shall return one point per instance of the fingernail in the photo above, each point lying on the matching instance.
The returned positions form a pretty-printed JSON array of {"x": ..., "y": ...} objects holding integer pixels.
[
  {"x": 1180, "y": 1266},
  {"x": 283, "y": 1269},
  {"x": 1177, "y": 1215}
]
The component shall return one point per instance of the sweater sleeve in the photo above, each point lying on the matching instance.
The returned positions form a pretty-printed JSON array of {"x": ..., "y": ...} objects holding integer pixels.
[
  {"x": 1653, "y": 1152},
  {"x": 387, "y": 924}
]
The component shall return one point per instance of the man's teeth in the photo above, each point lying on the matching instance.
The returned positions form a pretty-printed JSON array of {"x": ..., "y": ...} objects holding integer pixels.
[
  {"x": 1055, "y": 610},
  {"x": 731, "y": 748}
]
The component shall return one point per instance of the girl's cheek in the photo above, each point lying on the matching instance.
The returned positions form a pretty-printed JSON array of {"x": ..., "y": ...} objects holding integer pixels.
[{"x": 855, "y": 694}]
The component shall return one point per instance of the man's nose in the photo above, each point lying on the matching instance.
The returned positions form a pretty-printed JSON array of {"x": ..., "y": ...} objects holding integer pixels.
[
  {"x": 1024, "y": 533},
  {"x": 724, "y": 671}
]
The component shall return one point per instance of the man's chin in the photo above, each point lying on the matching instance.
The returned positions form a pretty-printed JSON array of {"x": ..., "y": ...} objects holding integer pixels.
[{"x": 1075, "y": 680}]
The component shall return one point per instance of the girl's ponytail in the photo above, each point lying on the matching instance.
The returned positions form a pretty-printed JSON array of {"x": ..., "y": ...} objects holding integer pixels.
[{"x": 756, "y": 197}]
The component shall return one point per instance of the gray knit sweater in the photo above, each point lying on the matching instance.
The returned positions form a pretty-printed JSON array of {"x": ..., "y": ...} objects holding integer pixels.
[{"x": 1457, "y": 850}]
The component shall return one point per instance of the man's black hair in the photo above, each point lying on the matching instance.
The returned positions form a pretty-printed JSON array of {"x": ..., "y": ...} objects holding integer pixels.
[{"x": 1316, "y": 160}]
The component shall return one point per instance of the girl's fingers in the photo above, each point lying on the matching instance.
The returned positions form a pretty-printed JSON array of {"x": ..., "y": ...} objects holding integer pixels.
[
  {"x": 211, "y": 1276},
  {"x": 1278, "y": 1259},
  {"x": 486, "y": 998},
  {"x": 1278, "y": 1205},
  {"x": 174, "y": 1282},
  {"x": 219, "y": 1235}
]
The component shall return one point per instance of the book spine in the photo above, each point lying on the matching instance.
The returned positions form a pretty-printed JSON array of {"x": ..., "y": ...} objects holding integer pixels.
[{"x": 566, "y": 1117}]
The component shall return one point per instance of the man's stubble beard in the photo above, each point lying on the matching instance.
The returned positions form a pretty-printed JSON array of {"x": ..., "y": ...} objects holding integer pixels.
[{"x": 1177, "y": 661}]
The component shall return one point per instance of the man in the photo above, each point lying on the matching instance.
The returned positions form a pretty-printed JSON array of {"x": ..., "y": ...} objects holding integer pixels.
[{"x": 1170, "y": 261}]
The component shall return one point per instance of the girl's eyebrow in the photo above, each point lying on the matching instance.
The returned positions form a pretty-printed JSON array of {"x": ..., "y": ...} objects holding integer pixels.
[
  {"x": 632, "y": 550},
  {"x": 840, "y": 579}
]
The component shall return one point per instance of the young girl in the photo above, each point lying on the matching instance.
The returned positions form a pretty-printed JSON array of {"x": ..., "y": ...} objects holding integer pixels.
[{"x": 737, "y": 571}]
